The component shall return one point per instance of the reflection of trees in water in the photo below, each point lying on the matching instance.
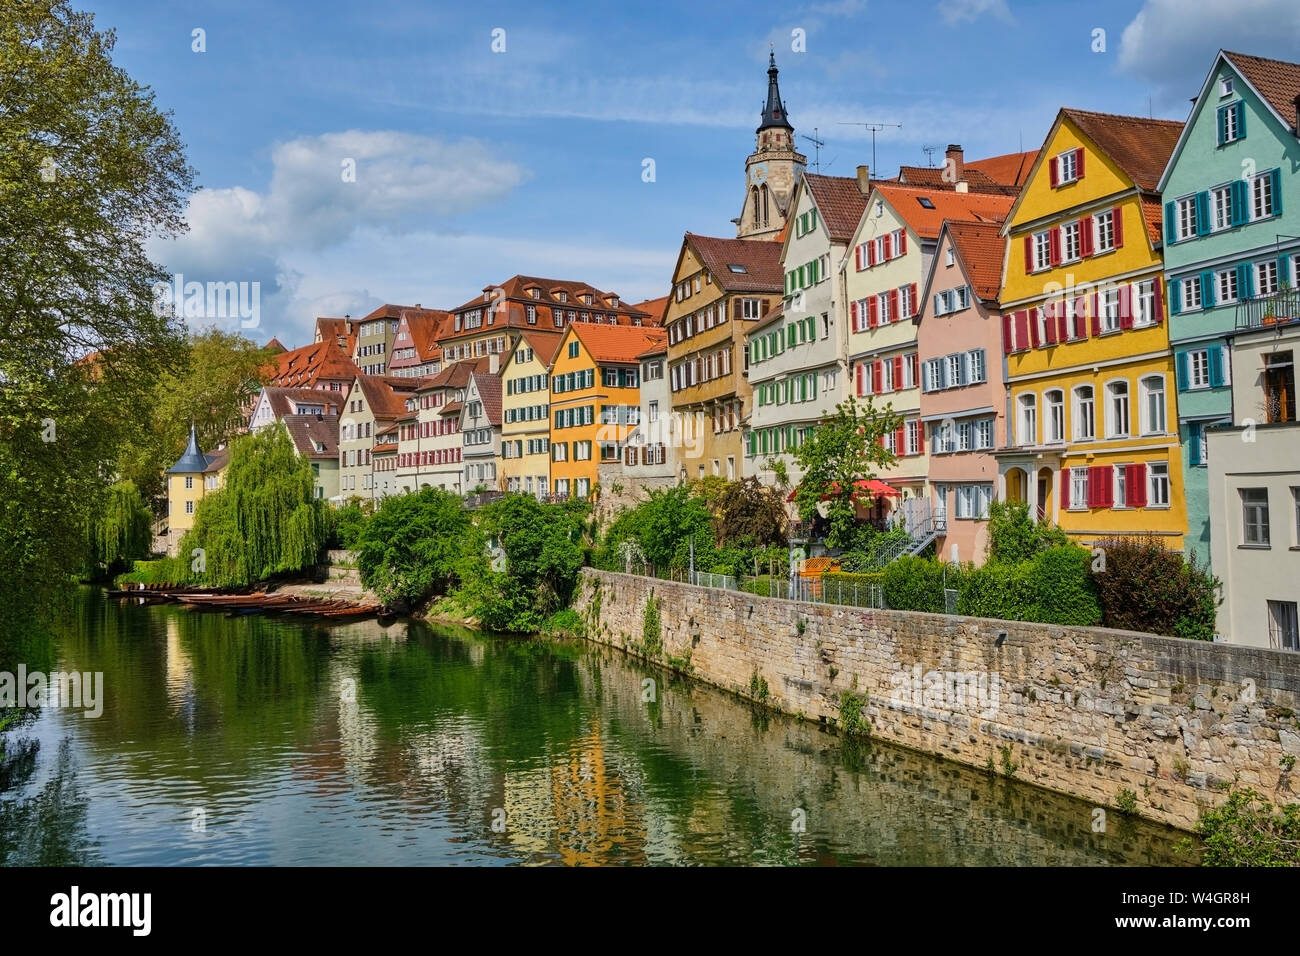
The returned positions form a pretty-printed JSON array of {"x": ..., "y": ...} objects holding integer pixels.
[{"x": 48, "y": 827}]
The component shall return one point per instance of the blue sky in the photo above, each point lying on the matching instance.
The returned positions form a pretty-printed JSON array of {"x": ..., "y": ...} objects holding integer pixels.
[{"x": 473, "y": 165}]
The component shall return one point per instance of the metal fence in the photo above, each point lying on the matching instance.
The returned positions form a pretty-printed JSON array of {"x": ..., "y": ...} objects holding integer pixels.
[
  {"x": 707, "y": 579},
  {"x": 818, "y": 590}
]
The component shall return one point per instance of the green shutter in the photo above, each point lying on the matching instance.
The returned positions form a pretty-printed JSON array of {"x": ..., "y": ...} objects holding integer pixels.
[
  {"x": 1215, "y": 354},
  {"x": 1182, "y": 362},
  {"x": 1171, "y": 234},
  {"x": 1194, "y": 443},
  {"x": 1276, "y": 176},
  {"x": 1207, "y": 289},
  {"x": 1222, "y": 117},
  {"x": 1175, "y": 296},
  {"x": 1202, "y": 213},
  {"x": 1240, "y": 107},
  {"x": 1240, "y": 212}
]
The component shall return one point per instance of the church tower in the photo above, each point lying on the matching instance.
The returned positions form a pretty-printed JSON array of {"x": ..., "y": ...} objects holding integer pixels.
[{"x": 772, "y": 170}]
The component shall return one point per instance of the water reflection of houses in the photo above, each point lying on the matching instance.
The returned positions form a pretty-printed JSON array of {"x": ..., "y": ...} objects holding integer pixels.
[{"x": 179, "y": 667}]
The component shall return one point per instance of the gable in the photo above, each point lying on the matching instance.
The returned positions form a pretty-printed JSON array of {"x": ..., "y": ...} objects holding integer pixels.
[{"x": 1040, "y": 199}]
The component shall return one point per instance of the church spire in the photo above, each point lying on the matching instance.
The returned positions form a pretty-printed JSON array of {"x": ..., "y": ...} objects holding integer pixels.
[{"x": 774, "y": 111}]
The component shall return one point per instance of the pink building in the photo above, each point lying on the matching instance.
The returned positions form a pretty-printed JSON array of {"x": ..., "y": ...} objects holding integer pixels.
[{"x": 963, "y": 399}]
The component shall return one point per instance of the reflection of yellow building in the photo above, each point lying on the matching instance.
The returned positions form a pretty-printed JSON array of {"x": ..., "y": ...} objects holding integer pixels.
[
  {"x": 1093, "y": 429},
  {"x": 193, "y": 475},
  {"x": 595, "y": 822}
]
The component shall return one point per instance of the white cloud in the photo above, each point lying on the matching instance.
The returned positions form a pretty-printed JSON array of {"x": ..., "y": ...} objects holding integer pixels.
[
  {"x": 954, "y": 12},
  {"x": 1170, "y": 43}
]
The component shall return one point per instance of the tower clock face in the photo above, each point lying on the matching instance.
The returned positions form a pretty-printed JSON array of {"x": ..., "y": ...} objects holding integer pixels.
[{"x": 758, "y": 173}]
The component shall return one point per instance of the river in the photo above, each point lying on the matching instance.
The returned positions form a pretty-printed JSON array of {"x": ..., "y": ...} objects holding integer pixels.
[{"x": 268, "y": 740}]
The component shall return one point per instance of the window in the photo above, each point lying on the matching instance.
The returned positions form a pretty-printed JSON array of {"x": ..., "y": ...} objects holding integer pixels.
[
  {"x": 1190, "y": 294},
  {"x": 189, "y": 481},
  {"x": 1085, "y": 413},
  {"x": 1042, "y": 250},
  {"x": 1230, "y": 119},
  {"x": 1120, "y": 496},
  {"x": 949, "y": 257},
  {"x": 1225, "y": 86},
  {"x": 925, "y": 202},
  {"x": 1279, "y": 387},
  {"x": 1117, "y": 425},
  {"x": 1266, "y": 277},
  {"x": 1070, "y": 246},
  {"x": 1144, "y": 303},
  {"x": 1221, "y": 207},
  {"x": 1185, "y": 218},
  {"x": 1079, "y": 488},
  {"x": 189, "y": 507},
  {"x": 1153, "y": 405},
  {"x": 1158, "y": 485},
  {"x": 912, "y": 441},
  {"x": 1254, "y": 516},
  {"x": 1054, "y": 415},
  {"x": 1027, "y": 420},
  {"x": 1198, "y": 368},
  {"x": 1104, "y": 223},
  {"x": 1226, "y": 281},
  {"x": 1067, "y": 166},
  {"x": 1263, "y": 195},
  {"x": 573, "y": 350},
  {"x": 1283, "y": 625},
  {"x": 1110, "y": 310},
  {"x": 973, "y": 501}
]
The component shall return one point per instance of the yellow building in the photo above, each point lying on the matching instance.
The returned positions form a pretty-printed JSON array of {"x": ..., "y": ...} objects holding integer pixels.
[
  {"x": 721, "y": 288},
  {"x": 1090, "y": 377},
  {"x": 595, "y": 400},
  {"x": 194, "y": 475},
  {"x": 525, "y": 414}
]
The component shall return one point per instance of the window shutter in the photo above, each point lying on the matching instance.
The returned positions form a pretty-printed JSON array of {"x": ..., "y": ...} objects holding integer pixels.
[
  {"x": 1175, "y": 296},
  {"x": 1117, "y": 218},
  {"x": 764, "y": 305},
  {"x": 1062, "y": 322},
  {"x": 1283, "y": 270},
  {"x": 1222, "y": 117},
  {"x": 1276, "y": 176},
  {"x": 1171, "y": 223},
  {"x": 1183, "y": 378},
  {"x": 1085, "y": 235},
  {"x": 1240, "y": 107},
  {"x": 1029, "y": 253},
  {"x": 1090, "y": 488},
  {"x": 916, "y": 303},
  {"x": 1054, "y": 172},
  {"x": 858, "y": 374},
  {"x": 853, "y": 314},
  {"x": 857, "y": 258},
  {"x": 1022, "y": 330},
  {"x": 1215, "y": 355},
  {"x": 888, "y": 247},
  {"x": 1094, "y": 316},
  {"x": 873, "y": 312},
  {"x": 893, "y": 305},
  {"x": 902, "y": 242},
  {"x": 1065, "y": 489},
  {"x": 1080, "y": 313},
  {"x": 1049, "y": 322},
  {"x": 878, "y": 376},
  {"x": 1245, "y": 281},
  {"x": 1054, "y": 244},
  {"x": 1157, "y": 300},
  {"x": 1135, "y": 485},
  {"x": 1078, "y": 162},
  {"x": 871, "y": 254},
  {"x": 1035, "y": 337},
  {"x": 920, "y": 437},
  {"x": 1106, "y": 493},
  {"x": 913, "y": 359},
  {"x": 1202, "y": 213},
  {"x": 1237, "y": 191},
  {"x": 1006, "y": 333},
  {"x": 1207, "y": 289},
  {"x": 1194, "y": 443},
  {"x": 898, "y": 372},
  {"x": 1126, "y": 307}
]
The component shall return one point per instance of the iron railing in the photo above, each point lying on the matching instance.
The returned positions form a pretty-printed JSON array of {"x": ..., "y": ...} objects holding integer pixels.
[{"x": 1266, "y": 311}]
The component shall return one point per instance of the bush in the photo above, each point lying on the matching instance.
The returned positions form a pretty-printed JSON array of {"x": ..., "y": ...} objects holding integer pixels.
[
  {"x": 1245, "y": 831},
  {"x": 162, "y": 571},
  {"x": 1064, "y": 592},
  {"x": 917, "y": 584},
  {"x": 410, "y": 547},
  {"x": 348, "y": 522},
  {"x": 999, "y": 590},
  {"x": 1143, "y": 586},
  {"x": 1013, "y": 536},
  {"x": 870, "y": 548}
]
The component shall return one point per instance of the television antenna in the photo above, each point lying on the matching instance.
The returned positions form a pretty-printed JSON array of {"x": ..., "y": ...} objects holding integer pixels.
[
  {"x": 929, "y": 154},
  {"x": 817, "y": 148},
  {"x": 875, "y": 128}
]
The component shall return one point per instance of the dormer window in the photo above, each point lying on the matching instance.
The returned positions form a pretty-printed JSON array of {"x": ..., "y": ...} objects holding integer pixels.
[
  {"x": 535, "y": 292},
  {"x": 564, "y": 296},
  {"x": 586, "y": 299}
]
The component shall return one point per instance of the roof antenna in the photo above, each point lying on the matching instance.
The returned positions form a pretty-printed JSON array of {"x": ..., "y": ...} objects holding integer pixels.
[
  {"x": 874, "y": 127},
  {"x": 817, "y": 148},
  {"x": 929, "y": 154}
]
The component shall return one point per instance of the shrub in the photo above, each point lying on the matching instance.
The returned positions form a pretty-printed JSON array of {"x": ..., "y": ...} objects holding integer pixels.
[
  {"x": 1064, "y": 592},
  {"x": 1246, "y": 831},
  {"x": 348, "y": 522},
  {"x": 409, "y": 548},
  {"x": 1013, "y": 536},
  {"x": 1144, "y": 586},
  {"x": 998, "y": 590},
  {"x": 917, "y": 584}
]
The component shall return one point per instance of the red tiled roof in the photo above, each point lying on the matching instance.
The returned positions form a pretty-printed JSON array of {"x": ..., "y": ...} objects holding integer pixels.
[
  {"x": 980, "y": 247},
  {"x": 840, "y": 202},
  {"x": 382, "y": 397},
  {"x": 654, "y": 307},
  {"x": 775, "y": 312},
  {"x": 450, "y": 407},
  {"x": 489, "y": 393},
  {"x": 1010, "y": 169},
  {"x": 334, "y": 330},
  {"x": 304, "y": 367},
  {"x": 759, "y": 258},
  {"x": 419, "y": 329},
  {"x": 285, "y": 400},
  {"x": 274, "y": 346},
  {"x": 514, "y": 293},
  {"x": 1153, "y": 216},
  {"x": 1138, "y": 145},
  {"x": 927, "y": 221},
  {"x": 544, "y": 344},
  {"x": 1276, "y": 80},
  {"x": 652, "y": 351},
  {"x": 1003, "y": 175},
  {"x": 309, "y": 430},
  {"x": 617, "y": 343},
  {"x": 391, "y": 311},
  {"x": 456, "y": 375},
  {"x": 385, "y": 448}
]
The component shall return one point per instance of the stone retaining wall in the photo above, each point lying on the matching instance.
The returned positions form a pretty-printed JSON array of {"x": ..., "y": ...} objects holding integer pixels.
[{"x": 1089, "y": 712}]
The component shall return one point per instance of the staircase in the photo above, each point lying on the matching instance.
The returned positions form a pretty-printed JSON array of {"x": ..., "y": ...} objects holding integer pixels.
[{"x": 922, "y": 524}]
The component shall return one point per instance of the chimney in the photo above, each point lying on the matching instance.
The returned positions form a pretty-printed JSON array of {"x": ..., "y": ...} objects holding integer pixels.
[
  {"x": 954, "y": 160},
  {"x": 962, "y": 186},
  {"x": 494, "y": 363},
  {"x": 864, "y": 180}
]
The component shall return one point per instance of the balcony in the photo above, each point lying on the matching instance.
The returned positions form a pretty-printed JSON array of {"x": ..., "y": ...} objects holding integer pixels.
[{"x": 1280, "y": 308}]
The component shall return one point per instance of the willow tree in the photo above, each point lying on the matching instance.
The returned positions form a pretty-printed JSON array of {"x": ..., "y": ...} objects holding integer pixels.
[
  {"x": 90, "y": 171},
  {"x": 121, "y": 531},
  {"x": 265, "y": 519}
]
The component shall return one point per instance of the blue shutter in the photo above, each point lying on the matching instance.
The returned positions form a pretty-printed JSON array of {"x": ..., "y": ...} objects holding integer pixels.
[
  {"x": 1216, "y": 365},
  {"x": 1240, "y": 107},
  {"x": 1171, "y": 227},
  {"x": 1182, "y": 371},
  {"x": 1175, "y": 296},
  {"x": 1202, "y": 213},
  {"x": 1283, "y": 270},
  {"x": 1207, "y": 289},
  {"x": 1240, "y": 216},
  {"x": 1194, "y": 443},
  {"x": 1245, "y": 281},
  {"x": 1276, "y": 176},
  {"x": 1222, "y": 118}
]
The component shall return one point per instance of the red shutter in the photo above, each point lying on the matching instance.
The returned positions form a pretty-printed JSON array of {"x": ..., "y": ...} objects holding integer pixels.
[
  {"x": 920, "y": 435},
  {"x": 1062, "y": 321},
  {"x": 1085, "y": 236},
  {"x": 893, "y": 305},
  {"x": 1094, "y": 319},
  {"x": 871, "y": 253},
  {"x": 900, "y": 440},
  {"x": 1078, "y": 162},
  {"x": 1006, "y": 334},
  {"x": 853, "y": 313},
  {"x": 916, "y": 368},
  {"x": 1054, "y": 245},
  {"x": 857, "y": 258},
  {"x": 858, "y": 372},
  {"x": 1118, "y": 220},
  {"x": 1135, "y": 486},
  {"x": 764, "y": 305},
  {"x": 1053, "y": 172},
  {"x": 1126, "y": 307},
  {"x": 878, "y": 377},
  {"x": 1022, "y": 330},
  {"x": 873, "y": 312},
  {"x": 1157, "y": 300},
  {"x": 916, "y": 303},
  {"x": 1035, "y": 337},
  {"x": 1049, "y": 321},
  {"x": 898, "y": 372},
  {"x": 888, "y": 243},
  {"x": 902, "y": 243},
  {"x": 1065, "y": 489},
  {"x": 1108, "y": 485},
  {"x": 1029, "y": 253},
  {"x": 1080, "y": 310}
]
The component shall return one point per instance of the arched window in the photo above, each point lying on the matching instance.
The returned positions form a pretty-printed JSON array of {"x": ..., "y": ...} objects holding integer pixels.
[
  {"x": 1153, "y": 405},
  {"x": 1117, "y": 409},
  {"x": 765, "y": 204},
  {"x": 1054, "y": 415},
  {"x": 1027, "y": 420},
  {"x": 753, "y": 195}
]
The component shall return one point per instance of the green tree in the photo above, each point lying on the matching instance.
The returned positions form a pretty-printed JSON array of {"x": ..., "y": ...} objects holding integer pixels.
[
  {"x": 90, "y": 171},
  {"x": 1144, "y": 586},
  {"x": 265, "y": 520},
  {"x": 1246, "y": 830},
  {"x": 750, "y": 514},
  {"x": 843, "y": 449},
  {"x": 664, "y": 526},
  {"x": 1013, "y": 536},
  {"x": 410, "y": 547},
  {"x": 122, "y": 531}
]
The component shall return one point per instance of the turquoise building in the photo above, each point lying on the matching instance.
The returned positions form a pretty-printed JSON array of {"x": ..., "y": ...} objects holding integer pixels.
[{"x": 1231, "y": 195}]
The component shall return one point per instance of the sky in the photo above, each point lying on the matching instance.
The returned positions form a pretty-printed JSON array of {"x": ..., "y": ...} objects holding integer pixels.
[{"x": 490, "y": 139}]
